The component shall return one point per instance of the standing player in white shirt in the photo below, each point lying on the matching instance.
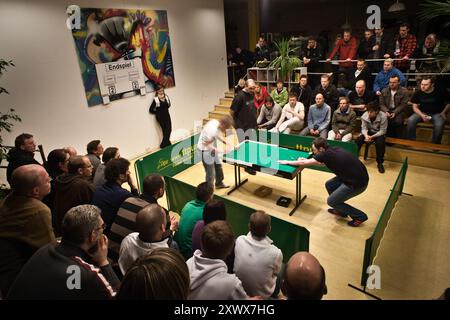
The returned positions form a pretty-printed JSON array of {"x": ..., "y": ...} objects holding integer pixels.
[{"x": 209, "y": 151}]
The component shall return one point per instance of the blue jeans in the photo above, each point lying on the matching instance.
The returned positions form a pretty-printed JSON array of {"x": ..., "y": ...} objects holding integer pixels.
[
  {"x": 339, "y": 192},
  {"x": 438, "y": 127},
  {"x": 213, "y": 168}
]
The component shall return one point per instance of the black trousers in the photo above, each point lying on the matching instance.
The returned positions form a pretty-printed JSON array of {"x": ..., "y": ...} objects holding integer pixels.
[
  {"x": 395, "y": 127},
  {"x": 380, "y": 146},
  {"x": 165, "y": 122}
]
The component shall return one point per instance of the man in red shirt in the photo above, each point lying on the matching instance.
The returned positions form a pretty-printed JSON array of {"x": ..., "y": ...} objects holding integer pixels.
[
  {"x": 346, "y": 49},
  {"x": 404, "y": 46}
]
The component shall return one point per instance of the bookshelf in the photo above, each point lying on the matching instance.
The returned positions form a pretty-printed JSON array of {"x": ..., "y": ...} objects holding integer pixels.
[{"x": 269, "y": 76}]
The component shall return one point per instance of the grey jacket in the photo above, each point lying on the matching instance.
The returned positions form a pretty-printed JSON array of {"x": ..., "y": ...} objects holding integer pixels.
[
  {"x": 344, "y": 121},
  {"x": 401, "y": 99},
  {"x": 377, "y": 126},
  {"x": 271, "y": 115}
]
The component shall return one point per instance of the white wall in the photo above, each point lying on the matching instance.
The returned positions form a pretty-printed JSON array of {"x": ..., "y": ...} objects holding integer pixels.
[{"x": 46, "y": 88}]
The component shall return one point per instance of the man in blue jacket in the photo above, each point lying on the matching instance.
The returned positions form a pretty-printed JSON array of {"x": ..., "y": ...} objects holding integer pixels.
[{"x": 382, "y": 78}]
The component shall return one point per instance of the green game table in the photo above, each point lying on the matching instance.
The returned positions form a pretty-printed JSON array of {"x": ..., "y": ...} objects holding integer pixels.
[{"x": 263, "y": 157}]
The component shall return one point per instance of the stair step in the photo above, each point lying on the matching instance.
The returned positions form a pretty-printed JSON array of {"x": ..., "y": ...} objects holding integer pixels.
[
  {"x": 217, "y": 115},
  {"x": 226, "y": 101},
  {"x": 222, "y": 108},
  {"x": 229, "y": 94}
]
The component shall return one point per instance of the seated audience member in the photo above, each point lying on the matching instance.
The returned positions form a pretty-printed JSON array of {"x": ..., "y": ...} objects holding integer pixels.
[
  {"x": 162, "y": 274},
  {"x": 362, "y": 72},
  {"x": 394, "y": 102},
  {"x": 304, "y": 278},
  {"x": 382, "y": 78},
  {"x": 280, "y": 94},
  {"x": 190, "y": 214},
  {"x": 99, "y": 175},
  {"x": 22, "y": 154},
  {"x": 25, "y": 222},
  {"x": 151, "y": 227},
  {"x": 57, "y": 161},
  {"x": 360, "y": 98},
  {"x": 110, "y": 196},
  {"x": 292, "y": 116},
  {"x": 319, "y": 117},
  {"x": 257, "y": 261},
  {"x": 94, "y": 151},
  {"x": 328, "y": 91},
  {"x": 72, "y": 188},
  {"x": 209, "y": 279},
  {"x": 269, "y": 114},
  {"x": 373, "y": 130},
  {"x": 429, "y": 49},
  {"x": 260, "y": 96},
  {"x": 153, "y": 189},
  {"x": 303, "y": 92},
  {"x": 214, "y": 210},
  {"x": 239, "y": 86},
  {"x": 71, "y": 150},
  {"x": 55, "y": 166},
  {"x": 343, "y": 123},
  {"x": 429, "y": 105},
  {"x": 75, "y": 269}
]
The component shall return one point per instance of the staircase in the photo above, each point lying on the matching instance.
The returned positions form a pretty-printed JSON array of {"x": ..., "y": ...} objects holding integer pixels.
[{"x": 222, "y": 109}]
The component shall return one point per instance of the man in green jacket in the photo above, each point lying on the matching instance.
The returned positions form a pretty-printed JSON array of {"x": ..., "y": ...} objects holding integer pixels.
[
  {"x": 280, "y": 94},
  {"x": 343, "y": 123},
  {"x": 191, "y": 213}
]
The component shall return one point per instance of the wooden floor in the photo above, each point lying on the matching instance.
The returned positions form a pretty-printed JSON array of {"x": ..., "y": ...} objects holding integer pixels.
[{"x": 417, "y": 237}]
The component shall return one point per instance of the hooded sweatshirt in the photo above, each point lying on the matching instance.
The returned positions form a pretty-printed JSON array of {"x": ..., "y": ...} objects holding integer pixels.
[
  {"x": 70, "y": 190},
  {"x": 210, "y": 280},
  {"x": 256, "y": 263},
  {"x": 16, "y": 158}
]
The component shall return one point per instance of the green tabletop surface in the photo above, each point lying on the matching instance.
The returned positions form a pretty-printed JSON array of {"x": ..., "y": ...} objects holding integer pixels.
[{"x": 264, "y": 155}]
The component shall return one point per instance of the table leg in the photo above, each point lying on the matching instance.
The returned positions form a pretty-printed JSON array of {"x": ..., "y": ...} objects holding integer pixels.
[
  {"x": 237, "y": 179},
  {"x": 298, "y": 193}
]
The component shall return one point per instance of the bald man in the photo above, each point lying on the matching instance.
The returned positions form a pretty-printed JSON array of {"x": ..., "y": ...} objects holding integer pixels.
[
  {"x": 304, "y": 278},
  {"x": 150, "y": 226},
  {"x": 361, "y": 97},
  {"x": 25, "y": 221}
]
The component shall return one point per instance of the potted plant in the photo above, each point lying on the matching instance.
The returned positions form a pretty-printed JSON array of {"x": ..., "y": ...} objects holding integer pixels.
[
  {"x": 6, "y": 118},
  {"x": 287, "y": 61},
  {"x": 6, "y": 124}
]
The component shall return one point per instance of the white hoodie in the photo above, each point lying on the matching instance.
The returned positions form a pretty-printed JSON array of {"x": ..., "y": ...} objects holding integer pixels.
[{"x": 210, "y": 280}]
